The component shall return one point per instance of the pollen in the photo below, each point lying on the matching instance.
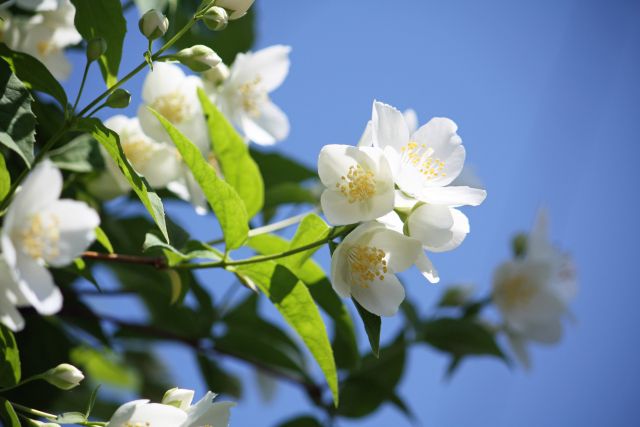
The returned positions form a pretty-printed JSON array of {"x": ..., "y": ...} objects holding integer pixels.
[
  {"x": 173, "y": 106},
  {"x": 44, "y": 48},
  {"x": 252, "y": 96},
  {"x": 41, "y": 236},
  {"x": 516, "y": 291},
  {"x": 420, "y": 157},
  {"x": 366, "y": 264},
  {"x": 358, "y": 185},
  {"x": 137, "y": 150}
]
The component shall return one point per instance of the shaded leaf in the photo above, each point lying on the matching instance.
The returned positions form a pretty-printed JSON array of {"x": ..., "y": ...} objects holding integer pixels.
[
  {"x": 81, "y": 154},
  {"x": 103, "y": 367},
  {"x": 372, "y": 325},
  {"x": 218, "y": 379},
  {"x": 301, "y": 421},
  {"x": 8, "y": 414},
  {"x": 5, "y": 179},
  {"x": 10, "y": 371}
]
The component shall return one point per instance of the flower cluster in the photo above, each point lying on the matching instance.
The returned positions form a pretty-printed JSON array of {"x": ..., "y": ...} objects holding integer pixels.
[{"x": 397, "y": 181}]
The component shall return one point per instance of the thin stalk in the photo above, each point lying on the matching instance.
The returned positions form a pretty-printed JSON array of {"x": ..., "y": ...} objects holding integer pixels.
[
  {"x": 84, "y": 79},
  {"x": 21, "y": 383},
  {"x": 31, "y": 411}
]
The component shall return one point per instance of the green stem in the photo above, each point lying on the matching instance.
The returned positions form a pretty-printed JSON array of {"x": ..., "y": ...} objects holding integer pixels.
[
  {"x": 21, "y": 383},
  {"x": 31, "y": 411},
  {"x": 84, "y": 79}
]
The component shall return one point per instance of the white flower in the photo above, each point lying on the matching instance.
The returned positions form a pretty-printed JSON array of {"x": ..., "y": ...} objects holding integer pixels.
[
  {"x": 158, "y": 162},
  {"x": 44, "y": 36},
  {"x": 39, "y": 5},
  {"x": 359, "y": 183},
  {"x": 532, "y": 293},
  {"x": 365, "y": 263},
  {"x": 174, "y": 411},
  {"x": 173, "y": 94},
  {"x": 238, "y": 8},
  {"x": 244, "y": 96},
  {"x": 153, "y": 24},
  {"x": 41, "y": 230}
]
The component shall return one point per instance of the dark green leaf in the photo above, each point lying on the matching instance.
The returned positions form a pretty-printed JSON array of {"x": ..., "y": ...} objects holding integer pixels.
[
  {"x": 287, "y": 193},
  {"x": 301, "y": 421},
  {"x": 104, "y": 19},
  {"x": 17, "y": 121},
  {"x": 81, "y": 154},
  {"x": 9, "y": 358},
  {"x": 278, "y": 169},
  {"x": 372, "y": 324},
  {"x": 8, "y": 414},
  {"x": 111, "y": 143},
  {"x": 231, "y": 153},
  {"x": 217, "y": 379},
  {"x": 223, "y": 199},
  {"x": 5, "y": 179},
  {"x": 92, "y": 402},
  {"x": 33, "y": 74},
  {"x": 460, "y": 337}
]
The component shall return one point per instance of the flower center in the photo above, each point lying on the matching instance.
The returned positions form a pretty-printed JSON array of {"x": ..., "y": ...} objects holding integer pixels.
[
  {"x": 420, "y": 157},
  {"x": 137, "y": 150},
  {"x": 173, "y": 106},
  {"x": 40, "y": 238},
  {"x": 44, "y": 48},
  {"x": 516, "y": 291},
  {"x": 358, "y": 185},
  {"x": 253, "y": 96},
  {"x": 366, "y": 264}
]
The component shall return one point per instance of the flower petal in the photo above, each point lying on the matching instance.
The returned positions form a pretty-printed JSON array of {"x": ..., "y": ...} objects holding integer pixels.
[
  {"x": 381, "y": 297},
  {"x": 366, "y": 140},
  {"x": 205, "y": 412},
  {"x": 37, "y": 287},
  {"x": 402, "y": 251},
  {"x": 77, "y": 222},
  {"x": 453, "y": 196},
  {"x": 269, "y": 127},
  {"x": 164, "y": 79},
  {"x": 440, "y": 135},
  {"x": 389, "y": 127},
  {"x": 426, "y": 268},
  {"x": 269, "y": 66}
]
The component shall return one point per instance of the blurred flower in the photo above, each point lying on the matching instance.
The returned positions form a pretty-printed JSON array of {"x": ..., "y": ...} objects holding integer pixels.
[
  {"x": 158, "y": 162},
  {"x": 174, "y": 411},
  {"x": 45, "y": 35},
  {"x": 153, "y": 24},
  {"x": 365, "y": 263},
  {"x": 64, "y": 376},
  {"x": 533, "y": 292},
  {"x": 40, "y": 229},
  {"x": 244, "y": 96},
  {"x": 238, "y": 8},
  {"x": 359, "y": 183},
  {"x": 39, "y": 5}
]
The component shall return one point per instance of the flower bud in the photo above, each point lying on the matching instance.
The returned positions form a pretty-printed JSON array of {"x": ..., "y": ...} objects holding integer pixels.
[
  {"x": 36, "y": 423},
  {"x": 63, "y": 376},
  {"x": 217, "y": 74},
  {"x": 199, "y": 58},
  {"x": 96, "y": 48},
  {"x": 519, "y": 245},
  {"x": 153, "y": 24},
  {"x": 216, "y": 18},
  {"x": 237, "y": 8},
  {"x": 120, "y": 98},
  {"x": 179, "y": 397}
]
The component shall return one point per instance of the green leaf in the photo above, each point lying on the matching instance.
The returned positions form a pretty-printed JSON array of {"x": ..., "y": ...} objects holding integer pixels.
[
  {"x": 81, "y": 154},
  {"x": 301, "y": 421},
  {"x": 9, "y": 358},
  {"x": 232, "y": 154},
  {"x": 8, "y": 414},
  {"x": 223, "y": 199},
  {"x": 372, "y": 325},
  {"x": 92, "y": 401},
  {"x": 218, "y": 379},
  {"x": 17, "y": 121},
  {"x": 104, "y": 19},
  {"x": 293, "y": 299},
  {"x": 287, "y": 193},
  {"x": 111, "y": 143},
  {"x": 5, "y": 179},
  {"x": 366, "y": 388},
  {"x": 33, "y": 74},
  {"x": 102, "y": 238},
  {"x": 312, "y": 228},
  {"x": 103, "y": 366}
]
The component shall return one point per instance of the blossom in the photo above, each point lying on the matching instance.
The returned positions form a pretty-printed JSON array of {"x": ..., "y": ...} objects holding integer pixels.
[
  {"x": 173, "y": 94},
  {"x": 533, "y": 292},
  {"x": 238, "y": 8},
  {"x": 365, "y": 263},
  {"x": 198, "y": 58},
  {"x": 358, "y": 181},
  {"x": 45, "y": 35},
  {"x": 244, "y": 96},
  {"x": 174, "y": 411},
  {"x": 40, "y": 230},
  {"x": 158, "y": 162},
  {"x": 153, "y": 24},
  {"x": 64, "y": 376}
]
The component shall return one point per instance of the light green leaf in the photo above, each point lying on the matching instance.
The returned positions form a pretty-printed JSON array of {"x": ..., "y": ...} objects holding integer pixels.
[
  {"x": 33, "y": 74},
  {"x": 8, "y": 414},
  {"x": 293, "y": 299},
  {"x": 9, "y": 358},
  {"x": 312, "y": 228},
  {"x": 17, "y": 121},
  {"x": 232, "y": 154},
  {"x": 5, "y": 179},
  {"x": 372, "y": 325},
  {"x": 81, "y": 154},
  {"x": 111, "y": 143},
  {"x": 102, "y": 238},
  {"x": 104, "y": 19},
  {"x": 223, "y": 199},
  {"x": 103, "y": 366}
]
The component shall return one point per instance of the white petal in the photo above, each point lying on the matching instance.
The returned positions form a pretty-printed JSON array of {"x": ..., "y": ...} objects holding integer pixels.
[
  {"x": 267, "y": 128},
  {"x": 404, "y": 201},
  {"x": 178, "y": 397},
  {"x": 459, "y": 231},
  {"x": 381, "y": 297},
  {"x": 77, "y": 224},
  {"x": 124, "y": 412},
  {"x": 149, "y": 414},
  {"x": 205, "y": 412},
  {"x": 269, "y": 66},
  {"x": 164, "y": 79},
  {"x": 9, "y": 315},
  {"x": 392, "y": 221},
  {"x": 340, "y": 276},
  {"x": 402, "y": 251},
  {"x": 163, "y": 166},
  {"x": 518, "y": 345},
  {"x": 440, "y": 135},
  {"x": 426, "y": 268},
  {"x": 453, "y": 196},
  {"x": 366, "y": 140},
  {"x": 431, "y": 225},
  {"x": 151, "y": 125},
  {"x": 411, "y": 119},
  {"x": 36, "y": 285},
  {"x": 538, "y": 245},
  {"x": 389, "y": 127}
]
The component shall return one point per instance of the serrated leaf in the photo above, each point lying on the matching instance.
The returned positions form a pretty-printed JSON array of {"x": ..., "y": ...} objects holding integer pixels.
[
  {"x": 223, "y": 199},
  {"x": 10, "y": 372},
  {"x": 372, "y": 325},
  {"x": 293, "y": 299},
  {"x": 17, "y": 121},
  {"x": 5, "y": 179},
  {"x": 34, "y": 74},
  {"x": 8, "y": 414},
  {"x": 104, "y": 19},
  {"x": 111, "y": 142},
  {"x": 232, "y": 154}
]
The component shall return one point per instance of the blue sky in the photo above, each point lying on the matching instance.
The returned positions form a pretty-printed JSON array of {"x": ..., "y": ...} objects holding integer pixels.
[{"x": 546, "y": 98}]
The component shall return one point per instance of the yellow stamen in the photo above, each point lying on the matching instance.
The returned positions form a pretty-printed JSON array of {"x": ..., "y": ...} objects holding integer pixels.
[
  {"x": 40, "y": 238},
  {"x": 173, "y": 106},
  {"x": 359, "y": 185},
  {"x": 420, "y": 156},
  {"x": 366, "y": 263},
  {"x": 253, "y": 96}
]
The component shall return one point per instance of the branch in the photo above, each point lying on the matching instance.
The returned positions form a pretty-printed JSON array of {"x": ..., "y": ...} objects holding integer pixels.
[{"x": 159, "y": 263}]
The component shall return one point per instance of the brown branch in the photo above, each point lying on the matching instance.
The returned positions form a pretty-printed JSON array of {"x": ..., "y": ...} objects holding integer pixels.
[{"x": 156, "y": 262}]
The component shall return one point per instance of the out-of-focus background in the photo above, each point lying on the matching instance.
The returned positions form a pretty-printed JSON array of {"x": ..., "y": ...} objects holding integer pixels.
[{"x": 546, "y": 95}]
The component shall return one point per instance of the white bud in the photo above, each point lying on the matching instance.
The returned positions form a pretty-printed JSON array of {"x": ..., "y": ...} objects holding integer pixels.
[
  {"x": 216, "y": 18},
  {"x": 199, "y": 58},
  {"x": 36, "y": 423},
  {"x": 63, "y": 376},
  {"x": 237, "y": 8},
  {"x": 153, "y": 24},
  {"x": 217, "y": 74},
  {"x": 179, "y": 397}
]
